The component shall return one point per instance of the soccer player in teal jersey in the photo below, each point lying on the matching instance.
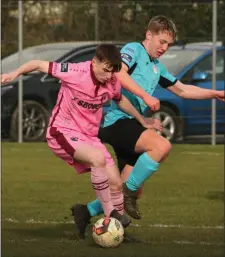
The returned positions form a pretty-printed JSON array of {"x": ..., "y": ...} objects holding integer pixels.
[
  {"x": 147, "y": 72},
  {"x": 140, "y": 151}
]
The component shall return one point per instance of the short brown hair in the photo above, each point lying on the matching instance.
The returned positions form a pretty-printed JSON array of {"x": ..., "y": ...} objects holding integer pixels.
[
  {"x": 109, "y": 54},
  {"x": 161, "y": 23}
]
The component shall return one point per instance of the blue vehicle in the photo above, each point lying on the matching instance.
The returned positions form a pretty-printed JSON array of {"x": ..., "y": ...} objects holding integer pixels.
[{"x": 183, "y": 118}]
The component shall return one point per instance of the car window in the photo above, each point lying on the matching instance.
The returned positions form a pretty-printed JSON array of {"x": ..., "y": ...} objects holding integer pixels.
[
  {"x": 176, "y": 60},
  {"x": 82, "y": 57},
  {"x": 205, "y": 65}
]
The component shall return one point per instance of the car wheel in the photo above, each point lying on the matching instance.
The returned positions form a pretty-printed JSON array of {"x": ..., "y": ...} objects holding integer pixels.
[
  {"x": 170, "y": 122},
  {"x": 35, "y": 122}
]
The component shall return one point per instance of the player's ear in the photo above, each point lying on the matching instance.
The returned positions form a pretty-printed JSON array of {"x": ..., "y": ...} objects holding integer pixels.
[
  {"x": 148, "y": 34},
  {"x": 93, "y": 61}
]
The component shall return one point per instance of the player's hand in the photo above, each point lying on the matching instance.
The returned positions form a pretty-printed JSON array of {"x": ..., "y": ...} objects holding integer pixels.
[
  {"x": 152, "y": 102},
  {"x": 151, "y": 123},
  {"x": 154, "y": 124},
  {"x": 8, "y": 77},
  {"x": 220, "y": 95}
]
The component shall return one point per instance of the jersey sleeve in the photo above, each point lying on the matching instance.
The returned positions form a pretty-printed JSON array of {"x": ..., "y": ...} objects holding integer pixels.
[
  {"x": 64, "y": 71},
  {"x": 129, "y": 54},
  {"x": 166, "y": 78}
]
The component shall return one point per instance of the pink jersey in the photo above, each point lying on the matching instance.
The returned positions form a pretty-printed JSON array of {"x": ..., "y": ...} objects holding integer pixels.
[{"x": 80, "y": 98}]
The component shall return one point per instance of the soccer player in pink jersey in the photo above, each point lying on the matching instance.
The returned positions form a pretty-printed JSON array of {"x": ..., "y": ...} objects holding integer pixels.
[{"x": 76, "y": 118}]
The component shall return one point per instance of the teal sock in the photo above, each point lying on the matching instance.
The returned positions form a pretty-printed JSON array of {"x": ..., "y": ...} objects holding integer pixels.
[
  {"x": 143, "y": 169},
  {"x": 95, "y": 208}
]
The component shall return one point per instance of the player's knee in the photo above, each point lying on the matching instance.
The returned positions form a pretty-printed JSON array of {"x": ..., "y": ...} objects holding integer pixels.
[
  {"x": 165, "y": 147},
  {"x": 97, "y": 159},
  {"x": 162, "y": 149}
]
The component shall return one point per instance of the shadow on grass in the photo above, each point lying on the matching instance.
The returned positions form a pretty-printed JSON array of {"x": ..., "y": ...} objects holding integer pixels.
[
  {"x": 53, "y": 232},
  {"x": 216, "y": 195},
  {"x": 60, "y": 233},
  {"x": 48, "y": 236}
]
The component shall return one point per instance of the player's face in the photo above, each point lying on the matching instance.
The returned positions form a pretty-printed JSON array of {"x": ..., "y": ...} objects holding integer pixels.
[
  {"x": 102, "y": 71},
  {"x": 158, "y": 44}
]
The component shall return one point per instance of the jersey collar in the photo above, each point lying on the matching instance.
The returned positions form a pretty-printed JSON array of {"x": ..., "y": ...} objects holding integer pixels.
[{"x": 150, "y": 58}]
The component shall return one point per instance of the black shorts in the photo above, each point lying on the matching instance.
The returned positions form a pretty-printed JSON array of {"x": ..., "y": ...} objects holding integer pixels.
[{"x": 123, "y": 136}]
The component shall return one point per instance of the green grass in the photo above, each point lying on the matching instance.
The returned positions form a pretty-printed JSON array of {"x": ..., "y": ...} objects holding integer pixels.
[{"x": 182, "y": 205}]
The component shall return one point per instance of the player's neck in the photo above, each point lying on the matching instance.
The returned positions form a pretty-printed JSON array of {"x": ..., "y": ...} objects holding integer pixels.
[{"x": 144, "y": 43}]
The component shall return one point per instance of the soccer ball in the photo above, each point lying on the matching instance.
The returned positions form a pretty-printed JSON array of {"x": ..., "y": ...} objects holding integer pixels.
[{"x": 108, "y": 232}]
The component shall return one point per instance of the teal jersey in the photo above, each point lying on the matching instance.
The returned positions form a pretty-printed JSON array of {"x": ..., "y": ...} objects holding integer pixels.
[{"x": 146, "y": 72}]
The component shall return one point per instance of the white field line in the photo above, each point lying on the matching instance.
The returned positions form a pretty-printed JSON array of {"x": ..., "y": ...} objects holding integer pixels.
[
  {"x": 202, "y": 153},
  {"x": 63, "y": 240},
  {"x": 177, "y": 226},
  {"x": 194, "y": 243},
  {"x": 32, "y": 221}
]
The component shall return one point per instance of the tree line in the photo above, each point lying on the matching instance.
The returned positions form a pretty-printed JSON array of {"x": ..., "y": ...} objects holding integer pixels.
[{"x": 58, "y": 21}]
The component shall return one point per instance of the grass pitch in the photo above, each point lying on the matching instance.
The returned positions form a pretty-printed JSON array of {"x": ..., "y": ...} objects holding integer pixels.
[{"x": 182, "y": 205}]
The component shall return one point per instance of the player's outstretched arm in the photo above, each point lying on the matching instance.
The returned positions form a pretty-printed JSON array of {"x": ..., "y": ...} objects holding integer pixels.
[
  {"x": 194, "y": 92},
  {"x": 35, "y": 65},
  {"x": 129, "y": 84},
  {"x": 127, "y": 107}
]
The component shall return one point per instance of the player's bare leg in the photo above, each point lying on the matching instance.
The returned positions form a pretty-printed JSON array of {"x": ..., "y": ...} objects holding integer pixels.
[{"x": 101, "y": 177}]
